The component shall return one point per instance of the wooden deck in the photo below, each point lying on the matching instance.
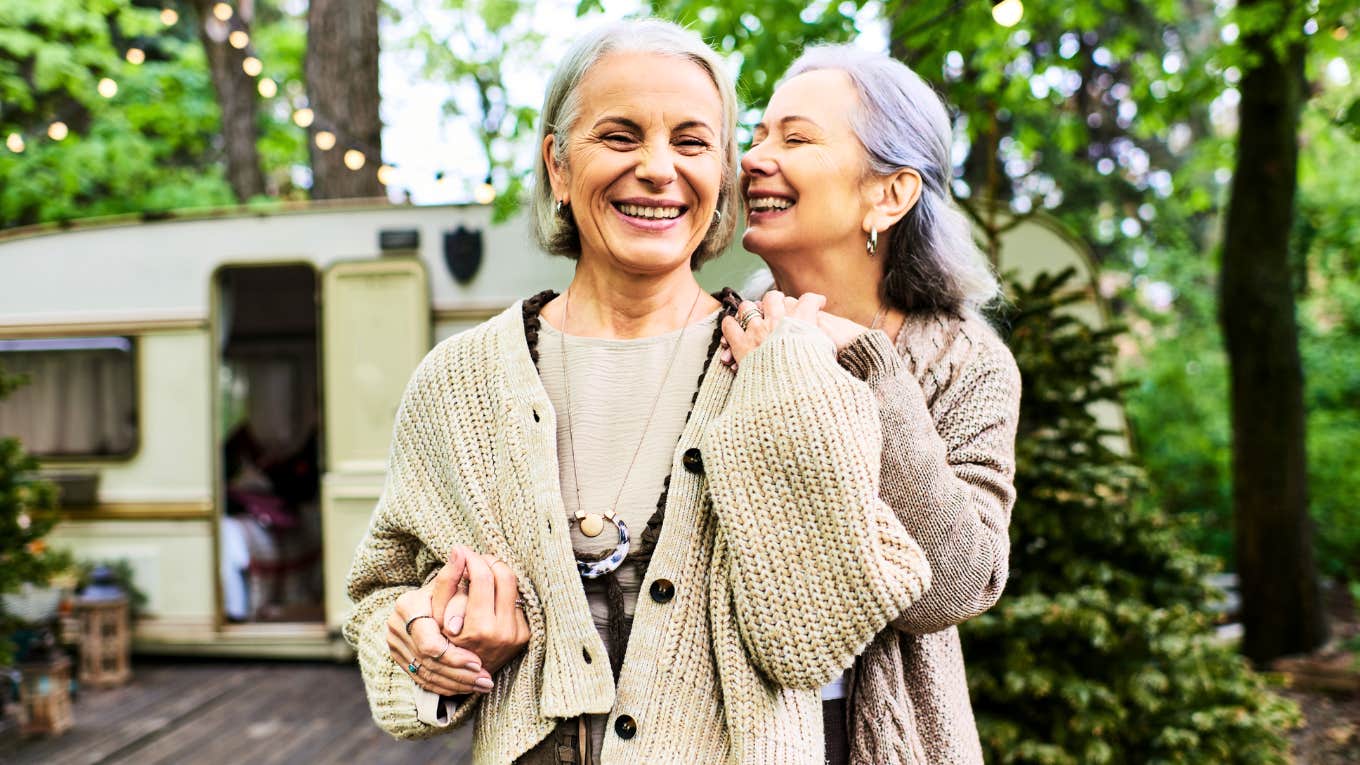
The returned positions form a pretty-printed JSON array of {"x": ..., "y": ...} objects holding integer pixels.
[{"x": 220, "y": 712}]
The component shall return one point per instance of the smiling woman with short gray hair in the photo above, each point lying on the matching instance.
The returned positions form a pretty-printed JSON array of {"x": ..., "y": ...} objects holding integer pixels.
[{"x": 596, "y": 542}]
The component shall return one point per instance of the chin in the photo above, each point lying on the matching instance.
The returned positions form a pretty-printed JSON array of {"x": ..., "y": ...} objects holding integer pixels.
[{"x": 762, "y": 243}]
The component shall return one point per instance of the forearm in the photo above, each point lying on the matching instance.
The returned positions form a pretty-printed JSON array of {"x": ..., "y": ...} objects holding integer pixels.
[
  {"x": 818, "y": 564},
  {"x": 954, "y": 494}
]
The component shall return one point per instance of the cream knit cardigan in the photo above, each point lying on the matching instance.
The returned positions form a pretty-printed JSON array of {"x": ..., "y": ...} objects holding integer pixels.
[{"x": 785, "y": 561}]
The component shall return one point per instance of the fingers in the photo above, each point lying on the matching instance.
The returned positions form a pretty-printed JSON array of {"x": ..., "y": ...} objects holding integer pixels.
[
  {"x": 808, "y": 307},
  {"x": 507, "y": 592},
  {"x": 738, "y": 341},
  {"x": 772, "y": 305},
  {"x": 438, "y": 674},
  {"x": 481, "y": 597},
  {"x": 456, "y": 611},
  {"x": 446, "y": 582}
]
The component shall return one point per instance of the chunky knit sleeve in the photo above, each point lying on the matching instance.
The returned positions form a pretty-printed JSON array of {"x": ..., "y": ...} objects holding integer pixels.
[
  {"x": 816, "y": 562},
  {"x": 392, "y": 559},
  {"x": 948, "y": 469}
]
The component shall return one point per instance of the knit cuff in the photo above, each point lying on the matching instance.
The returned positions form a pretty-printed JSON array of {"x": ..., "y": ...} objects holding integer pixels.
[{"x": 870, "y": 356}]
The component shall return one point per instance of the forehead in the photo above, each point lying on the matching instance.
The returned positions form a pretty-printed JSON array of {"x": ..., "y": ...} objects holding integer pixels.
[
  {"x": 826, "y": 95},
  {"x": 642, "y": 84}
]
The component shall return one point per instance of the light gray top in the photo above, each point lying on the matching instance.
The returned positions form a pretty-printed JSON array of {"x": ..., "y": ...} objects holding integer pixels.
[{"x": 613, "y": 386}]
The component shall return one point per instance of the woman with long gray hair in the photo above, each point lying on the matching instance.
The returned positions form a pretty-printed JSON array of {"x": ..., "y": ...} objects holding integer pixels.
[{"x": 847, "y": 194}]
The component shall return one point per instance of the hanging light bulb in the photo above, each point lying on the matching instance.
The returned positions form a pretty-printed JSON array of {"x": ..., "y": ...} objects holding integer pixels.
[
  {"x": 268, "y": 88},
  {"x": 58, "y": 131},
  {"x": 325, "y": 140},
  {"x": 238, "y": 39},
  {"x": 485, "y": 193},
  {"x": 252, "y": 66},
  {"x": 136, "y": 55},
  {"x": 15, "y": 143},
  {"x": 169, "y": 17},
  {"x": 303, "y": 117},
  {"x": 355, "y": 159},
  {"x": 107, "y": 88},
  {"x": 1007, "y": 13},
  {"x": 222, "y": 11},
  {"x": 387, "y": 174}
]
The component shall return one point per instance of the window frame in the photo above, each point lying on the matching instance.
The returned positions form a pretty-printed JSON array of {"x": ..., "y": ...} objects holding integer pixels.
[{"x": 135, "y": 359}]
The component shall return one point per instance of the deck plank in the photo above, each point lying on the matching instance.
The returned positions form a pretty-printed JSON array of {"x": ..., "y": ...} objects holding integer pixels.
[{"x": 230, "y": 712}]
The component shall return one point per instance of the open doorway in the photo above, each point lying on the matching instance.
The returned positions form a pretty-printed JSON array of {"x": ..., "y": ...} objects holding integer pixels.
[{"x": 269, "y": 404}]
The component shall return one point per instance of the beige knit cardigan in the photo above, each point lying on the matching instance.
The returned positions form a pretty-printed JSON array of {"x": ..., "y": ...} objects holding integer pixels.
[
  {"x": 785, "y": 561},
  {"x": 949, "y": 397}
]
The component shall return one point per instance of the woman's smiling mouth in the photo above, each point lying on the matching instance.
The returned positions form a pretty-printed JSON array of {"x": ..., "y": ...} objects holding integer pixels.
[
  {"x": 763, "y": 206},
  {"x": 653, "y": 215}
]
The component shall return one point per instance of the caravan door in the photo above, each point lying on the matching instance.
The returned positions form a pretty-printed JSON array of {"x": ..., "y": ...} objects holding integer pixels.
[{"x": 375, "y": 330}]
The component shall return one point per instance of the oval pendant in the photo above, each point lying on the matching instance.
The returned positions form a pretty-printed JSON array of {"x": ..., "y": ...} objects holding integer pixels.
[{"x": 592, "y": 524}]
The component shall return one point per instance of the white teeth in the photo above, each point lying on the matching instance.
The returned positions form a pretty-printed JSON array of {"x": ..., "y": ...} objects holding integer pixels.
[
  {"x": 769, "y": 203},
  {"x": 645, "y": 211}
]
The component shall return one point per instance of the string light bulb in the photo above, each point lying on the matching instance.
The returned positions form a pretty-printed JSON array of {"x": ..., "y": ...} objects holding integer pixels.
[
  {"x": 355, "y": 159},
  {"x": 169, "y": 17},
  {"x": 222, "y": 11},
  {"x": 239, "y": 39},
  {"x": 303, "y": 117},
  {"x": 484, "y": 194},
  {"x": 268, "y": 88},
  {"x": 107, "y": 88},
  {"x": 15, "y": 143},
  {"x": 136, "y": 56},
  {"x": 1007, "y": 13},
  {"x": 252, "y": 66},
  {"x": 325, "y": 140},
  {"x": 387, "y": 174},
  {"x": 58, "y": 131}
]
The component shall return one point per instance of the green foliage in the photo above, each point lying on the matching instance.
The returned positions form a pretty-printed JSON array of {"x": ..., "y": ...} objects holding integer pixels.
[
  {"x": 122, "y": 575},
  {"x": 147, "y": 148},
  {"x": 1178, "y": 407},
  {"x": 26, "y": 515},
  {"x": 1101, "y": 651},
  {"x": 153, "y": 145}
]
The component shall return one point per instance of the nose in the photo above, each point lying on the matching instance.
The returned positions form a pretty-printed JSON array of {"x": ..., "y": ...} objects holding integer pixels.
[
  {"x": 656, "y": 166},
  {"x": 758, "y": 163}
]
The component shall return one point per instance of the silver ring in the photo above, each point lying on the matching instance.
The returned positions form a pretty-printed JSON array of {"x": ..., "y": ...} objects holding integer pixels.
[
  {"x": 413, "y": 667},
  {"x": 744, "y": 318},
  {"x": 447, "y": 643}
]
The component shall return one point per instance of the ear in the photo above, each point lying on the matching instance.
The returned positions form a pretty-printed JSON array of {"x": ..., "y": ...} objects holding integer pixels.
[
  {"x": 557, "y": 175},
  {"x": 890, "y": 198}
]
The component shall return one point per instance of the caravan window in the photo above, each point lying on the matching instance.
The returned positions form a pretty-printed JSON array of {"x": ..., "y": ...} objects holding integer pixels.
[{"x": 79, "y": 398}]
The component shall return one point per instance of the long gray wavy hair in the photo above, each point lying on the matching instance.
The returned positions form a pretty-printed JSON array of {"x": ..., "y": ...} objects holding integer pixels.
[{"x": 933, "y": 263}]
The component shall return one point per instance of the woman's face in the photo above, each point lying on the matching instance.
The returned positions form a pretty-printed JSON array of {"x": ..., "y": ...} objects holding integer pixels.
[
  {"x": 644, "y": 161},
  {"x": 804, "y": 178}
]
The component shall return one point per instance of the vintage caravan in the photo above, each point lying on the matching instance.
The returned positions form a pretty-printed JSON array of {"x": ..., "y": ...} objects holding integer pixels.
[{"x": 214, "y": 392}]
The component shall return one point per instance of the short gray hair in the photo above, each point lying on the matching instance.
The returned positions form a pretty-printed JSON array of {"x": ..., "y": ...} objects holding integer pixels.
[
  {"x": 933, "y": 263},
  {"x": 557, "y": 234}
]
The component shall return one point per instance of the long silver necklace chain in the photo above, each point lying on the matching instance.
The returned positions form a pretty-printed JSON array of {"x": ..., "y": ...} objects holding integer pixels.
[{"x": 592, "y": 524}]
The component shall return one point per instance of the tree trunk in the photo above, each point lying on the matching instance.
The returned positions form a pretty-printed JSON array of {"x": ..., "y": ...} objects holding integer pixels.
[
  {"x": 1282, "y": 610},
  {"x": 235, "y": 96},
  {"x": 342, "y": 88}
]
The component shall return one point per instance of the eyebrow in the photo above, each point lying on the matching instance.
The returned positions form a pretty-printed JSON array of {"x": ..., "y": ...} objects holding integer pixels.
[
  {"x": 786, "y": 120},
  {"x": 631, "y": 125}
]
